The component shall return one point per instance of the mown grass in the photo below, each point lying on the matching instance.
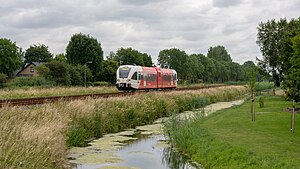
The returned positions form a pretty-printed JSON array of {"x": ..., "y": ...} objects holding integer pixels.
[
  {"x": 229, "y": 139},
  {"x": 39, "y": 136}
]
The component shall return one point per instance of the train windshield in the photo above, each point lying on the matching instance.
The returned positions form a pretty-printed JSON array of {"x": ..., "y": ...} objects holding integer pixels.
[{"x": 123, "y": 72}]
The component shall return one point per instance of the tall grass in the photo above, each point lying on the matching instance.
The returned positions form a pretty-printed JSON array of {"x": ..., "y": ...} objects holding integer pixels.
[
  {"x": 29, "y": 92},
  {"x": 39, "y": 136}
]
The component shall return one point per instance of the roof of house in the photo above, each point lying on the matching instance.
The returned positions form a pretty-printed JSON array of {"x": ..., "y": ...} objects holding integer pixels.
[{"x": 27, "y": 65}]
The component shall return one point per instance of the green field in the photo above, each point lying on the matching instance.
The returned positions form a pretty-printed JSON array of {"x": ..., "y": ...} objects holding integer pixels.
[{"x": 229, "y": 139}]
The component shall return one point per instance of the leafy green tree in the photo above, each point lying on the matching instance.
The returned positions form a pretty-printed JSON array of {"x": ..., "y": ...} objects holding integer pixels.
[
  {"x": 270, "y": 39},
  {"x": 75, "y": 76},
  {"x": 59, "y": 72},
  {"x": 85, "y": 72},
  {"x": 43, "y": 70},
  {"x": 61, "y": 57},
  {"x": 219, "y": 53},
  {"x": 236, "y": 72},
  {"x": 194, "y": 69},
  {"x": 247, "y": 67},
  {"x": 292, "y": 81},
  {"x": 175, "y": 59},
  {"x": 209, "y": 69},
  {"x": 147, "y": 60},
  {"x": 129, "y": 56},
  {"x": 38, "y": 53},
  {"x": 10, "y": 57},
  {"x": 109, "y": 71},
  {"x": 83, "y": 49}
]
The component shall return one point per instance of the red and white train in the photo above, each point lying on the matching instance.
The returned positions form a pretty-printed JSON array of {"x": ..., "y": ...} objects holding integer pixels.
[{"x": 131, "y": 77}]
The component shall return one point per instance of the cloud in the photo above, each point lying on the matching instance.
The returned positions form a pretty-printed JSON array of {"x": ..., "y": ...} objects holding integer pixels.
[
  {"x": 148, "y": 26},
  {"x": 226, "y": 3}
]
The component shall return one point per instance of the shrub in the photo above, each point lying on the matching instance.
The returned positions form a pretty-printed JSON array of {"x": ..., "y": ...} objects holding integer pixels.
[
  {"x": 264, "y": 86},
  {"x": 261, "y": 101},
  {"x": 102, "y": 83},
  {"x": 2, "y": 79},
  {"x": 30, "y": 81}
]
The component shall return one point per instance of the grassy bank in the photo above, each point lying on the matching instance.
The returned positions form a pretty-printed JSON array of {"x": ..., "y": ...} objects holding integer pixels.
[
  {"x": 39, "y": 136},
  {"x": 229, "y": 139}
]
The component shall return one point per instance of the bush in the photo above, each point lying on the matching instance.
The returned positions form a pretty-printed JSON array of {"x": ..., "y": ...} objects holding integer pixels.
[
  {"x": 30, "y": 81},
  {"x": 262, "y": 86},
  {"x": 2, "y": 79},
  {"x": 102, "y": 83},
  {"x": 261, "y": 102}
]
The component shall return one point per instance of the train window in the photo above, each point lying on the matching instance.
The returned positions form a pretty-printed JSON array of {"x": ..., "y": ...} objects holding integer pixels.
[
  {"x": 166, "y": 77},
  {"x": 134, "y": 76},
  {"x": 152, "y": 77},
  {"x": 140, "y": 77},
  {"x": 175, "y": 76},
  {"x": 123, "y": 72}
]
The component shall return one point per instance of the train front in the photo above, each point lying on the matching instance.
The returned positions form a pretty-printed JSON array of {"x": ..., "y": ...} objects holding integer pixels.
[{"x": 127, "y": 77}]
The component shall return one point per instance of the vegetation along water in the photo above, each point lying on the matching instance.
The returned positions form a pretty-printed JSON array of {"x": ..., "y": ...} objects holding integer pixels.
[{"x": 40, "y": 136}]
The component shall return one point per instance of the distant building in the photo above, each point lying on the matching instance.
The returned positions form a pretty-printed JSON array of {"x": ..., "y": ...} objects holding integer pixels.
[{"x": 29, "y": 69}]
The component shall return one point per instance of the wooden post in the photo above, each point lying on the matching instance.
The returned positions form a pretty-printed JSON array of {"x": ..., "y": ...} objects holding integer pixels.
[
  {"x": 293, "y": 118},
  {"x": 252, "y": 106},
  {"x": 254, "y": 110}
]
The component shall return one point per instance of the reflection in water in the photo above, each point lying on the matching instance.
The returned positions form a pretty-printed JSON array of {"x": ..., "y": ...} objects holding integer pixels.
[{"x": 175, "y": 160}]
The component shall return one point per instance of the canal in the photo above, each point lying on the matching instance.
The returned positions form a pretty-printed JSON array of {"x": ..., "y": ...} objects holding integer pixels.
[{"x": 144, "y": 147}]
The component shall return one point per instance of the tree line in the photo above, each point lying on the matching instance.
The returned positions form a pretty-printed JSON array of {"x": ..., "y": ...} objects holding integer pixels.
[{"x": 83, "y": 61}]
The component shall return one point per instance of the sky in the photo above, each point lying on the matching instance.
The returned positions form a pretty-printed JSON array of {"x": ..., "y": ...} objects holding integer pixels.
[{"x": 148, "y": 26}]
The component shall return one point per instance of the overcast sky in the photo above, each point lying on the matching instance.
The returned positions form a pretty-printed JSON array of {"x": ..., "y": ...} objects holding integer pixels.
[{"x": 146, "y": 25}]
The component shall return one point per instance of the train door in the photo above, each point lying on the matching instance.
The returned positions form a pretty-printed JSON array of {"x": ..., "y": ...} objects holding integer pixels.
[{"x": 145, "y": 79}]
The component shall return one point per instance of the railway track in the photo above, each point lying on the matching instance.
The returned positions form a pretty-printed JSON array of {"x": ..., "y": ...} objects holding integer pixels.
[{"x": 43, "y": 100}]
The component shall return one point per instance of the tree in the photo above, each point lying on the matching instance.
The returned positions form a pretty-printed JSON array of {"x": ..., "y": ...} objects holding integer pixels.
[
  {"x": 61, "y": 57},
  {"x": 247, "y": 67},
  {"x": 219, "y": 53},
  {"x": 10, "y": 57},
  {"x": 109, "y": 71},
  {"x": 75, "y": 76},
  {"x": 292, "y": 81},
  {"x": 194, "y": 69},
  {"x": 209, "y": 69},
  {"x": 175, "y": 59},
  {"x": 59, "y": 72},
  {"x": 270, "y": 40},
  {"x": 82, "y": 49},
  {"x": 129, "y": 56},
  {"x": 38, "y": 53}
]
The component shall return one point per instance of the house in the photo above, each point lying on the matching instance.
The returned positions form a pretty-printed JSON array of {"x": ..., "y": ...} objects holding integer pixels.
[{"x": 29, "y": 69}]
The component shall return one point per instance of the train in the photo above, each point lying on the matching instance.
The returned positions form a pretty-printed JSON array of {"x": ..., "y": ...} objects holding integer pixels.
[{"x": 132, "y": 77}]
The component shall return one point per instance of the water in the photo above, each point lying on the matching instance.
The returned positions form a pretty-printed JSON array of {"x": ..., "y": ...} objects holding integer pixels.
[
  {"x": 144, "y": 147},
  {"x": 147, "y": 152}
]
